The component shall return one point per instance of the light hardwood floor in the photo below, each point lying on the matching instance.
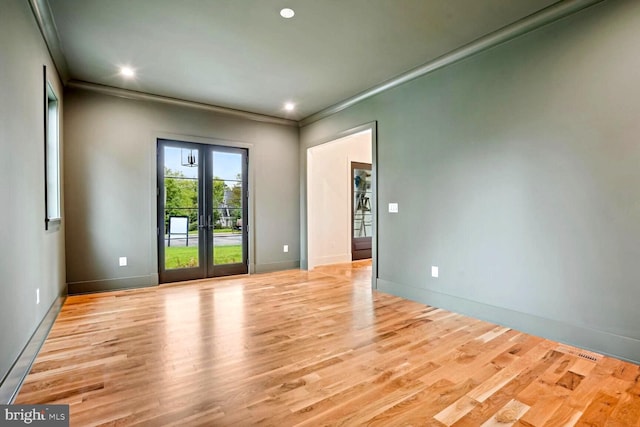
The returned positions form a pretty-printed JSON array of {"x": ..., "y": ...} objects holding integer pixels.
[{"x": 313, "y": 348}]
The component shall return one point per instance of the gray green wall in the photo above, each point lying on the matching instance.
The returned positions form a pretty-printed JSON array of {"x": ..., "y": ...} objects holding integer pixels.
[
  {"x": 517, "y": 172},
  {"x": 30, "y": 257},
  {"x": 110, "y": 182}
]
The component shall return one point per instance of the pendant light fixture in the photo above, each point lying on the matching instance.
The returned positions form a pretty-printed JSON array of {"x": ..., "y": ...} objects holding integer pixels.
[{"x": 188, "y": 157}]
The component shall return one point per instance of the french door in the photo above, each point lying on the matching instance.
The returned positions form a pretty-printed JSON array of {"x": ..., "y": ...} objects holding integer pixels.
[{"x": 202, "y": 211}]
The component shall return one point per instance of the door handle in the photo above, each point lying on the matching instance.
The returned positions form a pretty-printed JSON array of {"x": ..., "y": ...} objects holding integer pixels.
[
  {"x": 202, "y": 225},
  {"x": 209, "y": 224}
]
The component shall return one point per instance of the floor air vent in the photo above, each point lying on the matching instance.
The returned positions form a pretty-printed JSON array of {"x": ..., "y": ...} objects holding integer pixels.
[{"x": 583, "y": 354}]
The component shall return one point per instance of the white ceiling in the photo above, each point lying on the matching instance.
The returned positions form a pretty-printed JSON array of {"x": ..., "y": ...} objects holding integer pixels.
[{"x": 241, "y": 54}]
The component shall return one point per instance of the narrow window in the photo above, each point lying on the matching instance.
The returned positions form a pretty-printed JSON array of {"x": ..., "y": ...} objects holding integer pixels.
[{"x": 52, "y": 155}]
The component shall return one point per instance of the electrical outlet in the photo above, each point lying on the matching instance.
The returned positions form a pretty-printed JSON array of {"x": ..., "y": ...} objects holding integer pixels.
[
  {"x": 285, "y": 248},
  {"x": 123, "y": 261},
  {"x": 393, "y": 208},
  {"x": 434, "y": 271},
  {"x": 38, "y": 296}
]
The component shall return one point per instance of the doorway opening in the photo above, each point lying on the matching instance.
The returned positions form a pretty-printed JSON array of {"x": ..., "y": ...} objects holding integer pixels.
[
  {"x": 202, "y": 210},
  {"x": 334, "y": 228}
]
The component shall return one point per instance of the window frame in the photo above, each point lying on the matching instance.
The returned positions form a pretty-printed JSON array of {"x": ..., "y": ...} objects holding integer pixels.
[{"x": 52, "y": 182}]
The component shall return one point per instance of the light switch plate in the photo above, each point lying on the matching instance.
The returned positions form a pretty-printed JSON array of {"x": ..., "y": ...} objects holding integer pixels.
[
  {"x": 393, "y": 208},
  {"x": 434, "y": 271}
]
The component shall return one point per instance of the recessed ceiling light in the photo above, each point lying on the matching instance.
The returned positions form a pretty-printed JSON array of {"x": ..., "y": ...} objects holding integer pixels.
[
  {"x": 287, "y": 13},
  {"x": 289, "y": 106},
  {"x": 127, "y": 72}
]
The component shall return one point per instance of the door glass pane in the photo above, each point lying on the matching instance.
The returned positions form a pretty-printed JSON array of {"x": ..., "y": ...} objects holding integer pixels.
[
  {"x": 181, "y": 208},
  {"x": 362, "y": 203},
  {"x": 227, "y": 208}
]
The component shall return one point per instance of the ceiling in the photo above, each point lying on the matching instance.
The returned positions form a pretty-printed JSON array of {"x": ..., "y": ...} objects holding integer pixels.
[{"x": 241, "y": 54}]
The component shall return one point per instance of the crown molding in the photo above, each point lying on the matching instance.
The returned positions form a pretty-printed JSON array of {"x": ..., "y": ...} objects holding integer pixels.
[
  {"x": 142, "y": 96},
  {"x": 532, "y": 22},
  {"x": 46, "y": 23},
  {"x": 44, "y": 18}
]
